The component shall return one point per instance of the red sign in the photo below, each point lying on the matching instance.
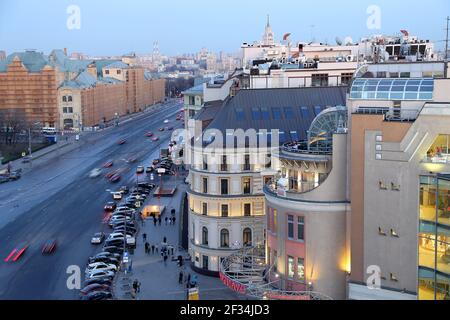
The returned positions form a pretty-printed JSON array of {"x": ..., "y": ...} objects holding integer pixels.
[{"x": 233, "y": 285}]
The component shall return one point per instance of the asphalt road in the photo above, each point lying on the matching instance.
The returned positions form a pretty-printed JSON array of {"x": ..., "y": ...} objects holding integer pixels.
[{"x": 58, "y": 200}]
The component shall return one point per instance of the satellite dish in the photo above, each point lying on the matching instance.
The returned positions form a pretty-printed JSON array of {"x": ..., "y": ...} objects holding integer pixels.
[
  {"x": 348, "y": 41},
  {"x": 338, "y": 41}
]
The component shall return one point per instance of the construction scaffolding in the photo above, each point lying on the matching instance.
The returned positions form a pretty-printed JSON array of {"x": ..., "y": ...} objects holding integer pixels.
[{"x": 247, "y": 273}]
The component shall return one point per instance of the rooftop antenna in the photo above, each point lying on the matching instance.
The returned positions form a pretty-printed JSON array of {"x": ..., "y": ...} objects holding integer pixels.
[{"x": 446, "y": 40}]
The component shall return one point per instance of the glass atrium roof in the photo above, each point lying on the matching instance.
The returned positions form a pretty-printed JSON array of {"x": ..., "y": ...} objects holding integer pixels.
[{"x": 392, "y": 89}]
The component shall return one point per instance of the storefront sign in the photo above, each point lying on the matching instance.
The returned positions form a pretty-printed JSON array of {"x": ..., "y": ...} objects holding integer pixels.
[{"x": 233, "y": 285}]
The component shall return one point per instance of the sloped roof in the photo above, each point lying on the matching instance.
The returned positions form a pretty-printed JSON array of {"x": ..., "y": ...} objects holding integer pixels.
[
  {"x": 32, "y": 60},
  {"x": 117, "y": 65},
  {"x": 82, "y": 81},
  {"x": 58, "y": 58},
  {"x": 194, "y": 90},
  {"x": 290, "y": 110}
]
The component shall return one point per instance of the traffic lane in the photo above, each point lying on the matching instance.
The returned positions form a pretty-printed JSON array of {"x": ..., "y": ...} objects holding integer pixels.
[
  {"x": 37, "y": 185},
  {"x": 71, "y": 221}
]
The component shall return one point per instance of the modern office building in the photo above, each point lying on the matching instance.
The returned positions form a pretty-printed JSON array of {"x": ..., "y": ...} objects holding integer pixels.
[{"x": 398, "y": 176}]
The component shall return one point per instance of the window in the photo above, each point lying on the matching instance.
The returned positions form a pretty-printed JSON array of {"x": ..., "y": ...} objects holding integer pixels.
[
  {"x": 275, "y": 224},
  {"x": 224, "y": 165},
  {"x": 106, "y": 71},
  {"x": 317, "y": 110},
  {"x": 288, "y": 113},
  {"x": 246, "y": 162},
  {"x": 69, "y": 98},
  {"x": 301, "y": 269},
  {"x": 224, "y": 186},
  {"x": 290, "y": 226},
  {"x": 246, "y": 185},
  {"x": 247, "y": 209},
  {"x": 205, "y": 208},
  {"x": 205, "y": 236},
  {"x": 256, "y": 114},
  {"x": 265, "y": 113},
  {"x": 64, "y": 99},
  {"x": 205, "y": 163},
  {"x": 240, "y": 114},
  {"x": 347, "y": 77},
  {"x": 301, "y": 228},
  {"x": 119, "y": 71},
  {"x": 276, "y": 113},
  {"x": 224, "y": 210},
  {"x": 224, "y": 238},
  {"x": 205, "y": 262},
  {"x": 305, "y": 112},
  {"x": 247, "y": 237},
  {"x": 290, "y": 267},
  {"x": 319, "y": 80},
  {"x": 205, "y": 185}
]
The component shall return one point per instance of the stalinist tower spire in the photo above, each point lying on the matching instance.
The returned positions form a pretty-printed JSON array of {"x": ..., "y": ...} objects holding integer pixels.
[{"x": 268, "y": 37}]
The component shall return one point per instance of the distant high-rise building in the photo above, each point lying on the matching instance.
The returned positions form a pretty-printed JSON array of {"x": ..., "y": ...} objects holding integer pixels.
[
  {"x": 268, "y": 37},
  {"x": 2, "y": 55}
]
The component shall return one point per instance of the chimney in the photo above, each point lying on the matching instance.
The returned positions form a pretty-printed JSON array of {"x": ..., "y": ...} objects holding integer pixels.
[{"x": 65, "y": 52}]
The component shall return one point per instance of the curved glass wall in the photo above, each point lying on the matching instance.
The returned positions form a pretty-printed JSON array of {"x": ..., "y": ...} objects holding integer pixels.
[
  {"x": 434, "y": 238},
  {"x": 392, "y": 89}
]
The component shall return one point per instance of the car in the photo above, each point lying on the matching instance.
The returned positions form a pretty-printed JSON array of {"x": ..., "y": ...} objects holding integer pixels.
[
  {"x": 95, "y": 173},
  {"x": 94, "y": 287},
  {"x": 114, "y": 249},
  {"x": 104, "y": 281},
  {"x": 149, "y": 134},
  {"x": 100, "y": 274},
  {"x": 104, "y": 254},
  {"x": 49, "y": 247},
  {"x": 108, "y": 164},
  {"x": 96, "y": 266},
  {"x": 123, "y": 209},
  {"x": 161, "y": 129},
  {"x": 119, "y": 236},
  {"x": 110, "y": 174},
  {"x": 170, "y": 128},
  {"x": 140, "y": 169},
  {"x": 130, "y": 225},
  {"x": 118, "y": 218},
  {"x": 117, "y": 195},
  {"x": 130, "y": 204},
  {"x": 97, "y": 295},
  {"x": 17, "y": 252},
  {"x": 98, "y": 238},
  {"x": 27, "y": 159},
  {"x": 106, "y": 260},
  {"x": 131, "y": 160},
  {"x": 166, "y": 121},
  {"x": 131, "y": 230},
  {"x": 121, "y": 142},
  {"x": 115, "y": 178},
  {"x": 110, "y": 206},
  {"x": 124, "y": 190},
  {"x": 149, "y": 170},
  {"x": 129, "y": 214},
  {"x": 15, "y": 175},
  {"x": 154, "y": 139}
]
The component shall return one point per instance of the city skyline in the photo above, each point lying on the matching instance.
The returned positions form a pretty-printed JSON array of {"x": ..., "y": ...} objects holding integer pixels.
[{"x": 116, "y": 29}]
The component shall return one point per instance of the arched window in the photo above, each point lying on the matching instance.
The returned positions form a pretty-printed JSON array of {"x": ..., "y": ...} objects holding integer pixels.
[
  {"x": 69, "y": 98},
  {"x": 64, "y": 99},
  {"x": 247, "y": 237},
  {"x": 224, "y": 238},
  {"x": 205, "y": 236}
]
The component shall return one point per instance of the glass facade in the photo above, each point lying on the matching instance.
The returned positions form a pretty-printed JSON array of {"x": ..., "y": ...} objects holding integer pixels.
[
  {"x": 392, "y": 89},
  {"x": 439, "y": 150},
  {"x": 434, "y": 238}
]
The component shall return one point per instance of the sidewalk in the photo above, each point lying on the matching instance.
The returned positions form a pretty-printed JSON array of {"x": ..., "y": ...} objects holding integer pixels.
[{"x": 159, "y": 280}]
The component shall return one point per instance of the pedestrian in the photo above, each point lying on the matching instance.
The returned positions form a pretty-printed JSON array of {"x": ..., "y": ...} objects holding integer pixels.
[
  {"x": 138, "y": 286},
  {"x": 170, "y": 221},
  {"x": 156, "y": 248},
  {"x": 135, "y": 285},
  {"x": 153, "y": 248},
  {"x": 159, "y": 220},
  {"x": 147, "y": 247},
  {"x": 165, "y": 219},
  {"x": 171, "y": 250},
  {"x": 164, "y": 240},
  {"x": 188, "y": 282},
  {"x": 180, "y": 277},
  {"x": 173, "y": 220},
  {"x": 154, "y": 221},
  {"x": 165, "y": 259},
  {"x": 144, "y": 237}
]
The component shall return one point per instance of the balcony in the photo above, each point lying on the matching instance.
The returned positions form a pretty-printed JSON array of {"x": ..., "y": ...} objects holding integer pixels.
[
  {"x": 276, "y": 188},
  {"x": 315, "y": 151}
]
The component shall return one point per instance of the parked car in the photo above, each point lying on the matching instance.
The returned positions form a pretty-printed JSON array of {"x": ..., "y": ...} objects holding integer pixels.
[
  {"x": 114, "y": 249},
  {"x": 103, "y": 274},
  {"x": 15, "y": 175},
  {"x": 104, "y": 254},
  {"x": 124, "y": 190},
  {"x": 98, "y": 238},
  {"x": 104, "y": 281},
  {"x": 117, "y": 195},
  {"x": 94, "y": 287},
  {"x": 149, "y": 170},
  {"x": 140, "y": 169},
  {"x": 97, "y": 266},
  {"x": 108, "y": 164},
  {"x": 131, "y": 230},
  {"x": 115, "y": 178},
  {"x": 97, "y": 295},
  {"x": 106, "y": 260}
]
